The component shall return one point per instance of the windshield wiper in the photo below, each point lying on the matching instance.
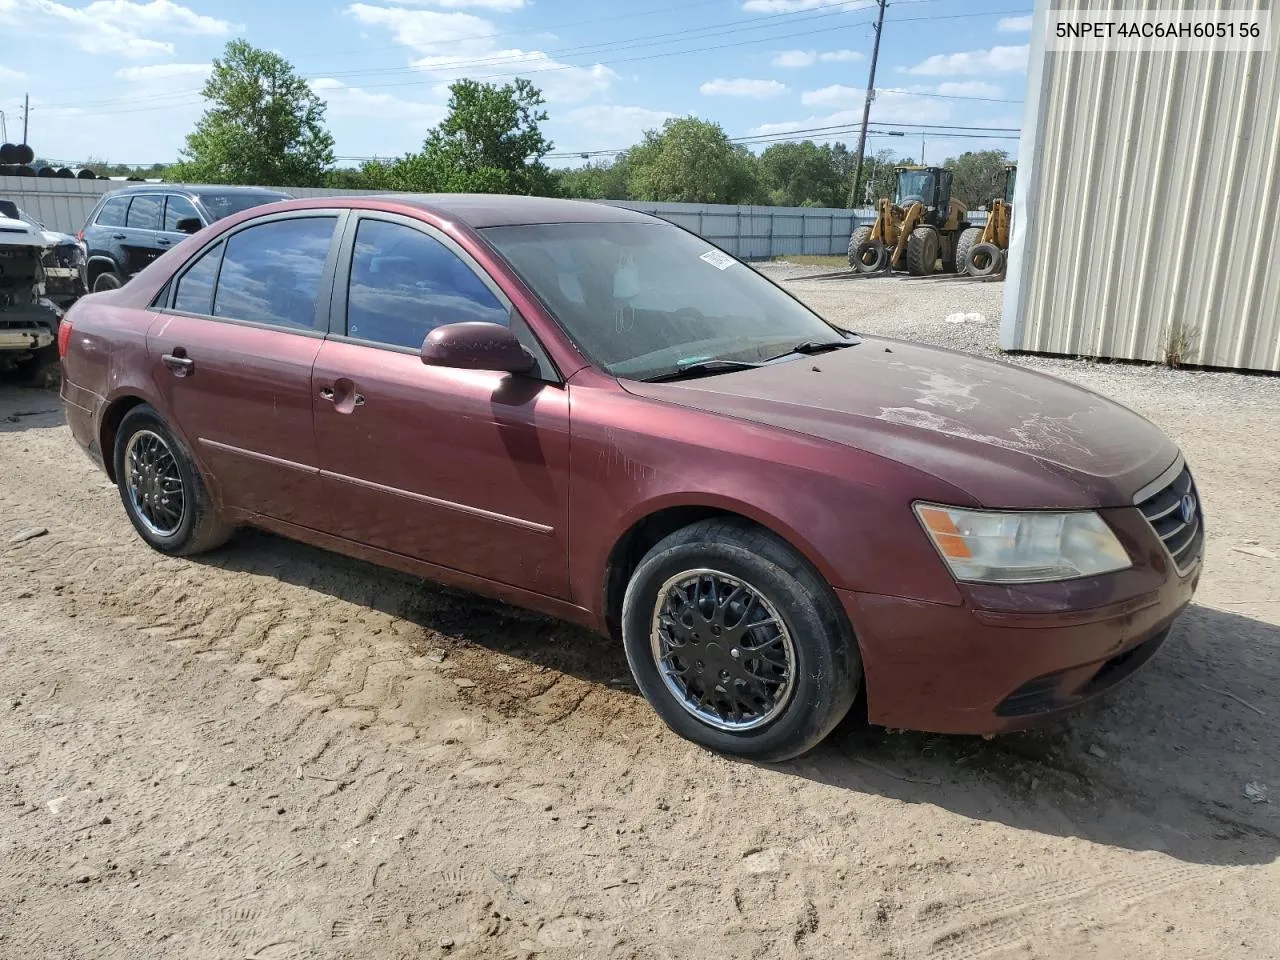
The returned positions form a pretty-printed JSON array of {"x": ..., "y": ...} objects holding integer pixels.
[
  {"x": 817, "y": 346},
  {"x": 699, "y": 368}
]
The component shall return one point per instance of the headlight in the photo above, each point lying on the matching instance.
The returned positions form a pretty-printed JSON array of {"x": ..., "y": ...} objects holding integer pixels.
[{"x": 990, "y": 547}]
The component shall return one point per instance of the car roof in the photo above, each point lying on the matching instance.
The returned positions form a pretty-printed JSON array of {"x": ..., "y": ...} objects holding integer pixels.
[
  {"x": 479, "y": 210},
  {"x": 196, "y": 189}
]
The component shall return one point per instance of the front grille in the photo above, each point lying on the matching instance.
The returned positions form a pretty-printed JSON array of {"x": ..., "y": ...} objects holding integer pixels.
[{"x": 1181, "y": 535}]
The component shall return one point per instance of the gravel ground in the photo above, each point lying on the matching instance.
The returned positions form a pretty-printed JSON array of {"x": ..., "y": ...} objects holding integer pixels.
[{"x": 274, "y": 753}]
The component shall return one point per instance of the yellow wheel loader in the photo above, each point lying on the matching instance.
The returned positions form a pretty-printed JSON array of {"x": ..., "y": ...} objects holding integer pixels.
[
  {"x": 982, "y": 251},
  {"x": 914, "y": 231}
]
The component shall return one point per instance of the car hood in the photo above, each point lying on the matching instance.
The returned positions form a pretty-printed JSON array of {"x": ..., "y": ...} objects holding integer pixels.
[{"x": 1006, "y": 435}]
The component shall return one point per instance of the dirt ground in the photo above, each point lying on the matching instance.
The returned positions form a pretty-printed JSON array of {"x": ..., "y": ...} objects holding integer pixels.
[{"x": 272, "y": 752}]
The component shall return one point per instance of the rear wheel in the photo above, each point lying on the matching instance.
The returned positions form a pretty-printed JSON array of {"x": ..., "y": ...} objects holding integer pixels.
[
  {"x": 737, "y": 643},
  {"x": 985, "y": 260},
  {"x": 107, "y": 280},
  {"x": 922, "y": 252},
  {"x": 968, "y": 239},
  {"x": 161, "y": 488}
]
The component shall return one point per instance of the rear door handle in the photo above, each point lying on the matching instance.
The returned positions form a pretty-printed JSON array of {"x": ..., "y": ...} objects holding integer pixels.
[
  {"x": 180, "y": 365},
  {"x": 327, "y": 394},
  {"x": 163, "y": 242},
  {"x": 119, "y": 236}
]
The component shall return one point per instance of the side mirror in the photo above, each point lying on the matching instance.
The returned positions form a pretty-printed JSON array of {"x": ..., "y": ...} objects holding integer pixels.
[
  {"x": 189, "y": 225},
  {"x": 476, "y": 346}
]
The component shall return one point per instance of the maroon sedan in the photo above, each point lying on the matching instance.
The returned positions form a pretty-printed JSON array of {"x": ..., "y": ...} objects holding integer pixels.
[{"x": 593, "y": 413}]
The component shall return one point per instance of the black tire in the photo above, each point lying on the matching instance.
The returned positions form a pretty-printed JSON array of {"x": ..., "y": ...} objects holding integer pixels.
[
  {"x": 825, "y": 668},
  {"x": 107, "y": 280},
  {"x": 985, "y": 260},
  {"x": 968, "y": 239},
  {"x": 856, "y": 239},
  {"x": 41, "y": 369},
  {"x": 922, "y": 252},
  {"x": 198, "y": 527},
  {"x": 872, "y": 257}
]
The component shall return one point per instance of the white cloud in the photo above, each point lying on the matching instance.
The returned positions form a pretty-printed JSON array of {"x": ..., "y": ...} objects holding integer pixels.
[
  {"x": 997, "y": 59},
  {"x": 790, "y": 6},
  {"x": 7, "y": 73},
  {"x": 807, "y": 58},
  {"x": 429, "y": 31},
  {"x": 109, "y": 27},
  {"x": 459, "y": 45},
  {"x": 620, "y": 123},
  {"x": 835, "y": 95},
  {"x": 968, "y": 88},
  {"x": 742, "y": 88},
  {"x": 1014, "y": 24},
  {"x": 164, "y": 71},
  {"x": 890, "y": 106},
  {"x": 345, "y": 101},
  {"x": 501, "y": 5}
]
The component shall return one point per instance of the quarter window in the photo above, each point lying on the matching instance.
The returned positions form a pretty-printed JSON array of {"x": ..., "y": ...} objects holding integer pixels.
[
  {"x": 405, "y": 283},
  {"x": 178, "y": 208},
  {"x": 271, "y": 272},
  {"x": 144, "y": 213},
  {"x": 113, "y": 212},
  {"x": 195, "y": 289}
]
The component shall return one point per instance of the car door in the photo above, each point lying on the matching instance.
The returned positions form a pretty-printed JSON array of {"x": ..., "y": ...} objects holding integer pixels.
[
  {"x": 461, "y": 468},
  {"x": 142, "y": 242},
  {"x": 233, "y": 352},
  {"x": 105, "y": 237}
]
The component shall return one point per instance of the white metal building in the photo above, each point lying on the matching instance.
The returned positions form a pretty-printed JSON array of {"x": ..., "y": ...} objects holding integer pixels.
[{"x": 1147, "y": 206}]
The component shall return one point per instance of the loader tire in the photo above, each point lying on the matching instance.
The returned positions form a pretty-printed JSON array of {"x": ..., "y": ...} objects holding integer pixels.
[
  {"x": 968, "y": 240},
  {"x": 922, "y": 252},
  {"x": 985, "y": 260},
  {"x": 856, "y": 239},
  {"x": 872, "y": 257}
]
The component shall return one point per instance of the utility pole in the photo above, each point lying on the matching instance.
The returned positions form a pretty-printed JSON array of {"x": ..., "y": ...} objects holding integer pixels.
[
  {"x": 922, "y": 149},
  {"x": 26, "y": 110},
  {"x": 855, "y": 190}
]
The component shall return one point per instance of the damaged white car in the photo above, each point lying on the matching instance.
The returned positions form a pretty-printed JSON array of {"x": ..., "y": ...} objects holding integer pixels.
[{"x": 28, "y": 318}]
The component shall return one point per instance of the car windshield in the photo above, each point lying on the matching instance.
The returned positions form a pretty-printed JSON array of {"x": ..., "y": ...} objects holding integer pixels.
[
  {"x": 915, "y": 185},
  {"x": 646, "y": 300},
  {"x": 222, "y": 205}
]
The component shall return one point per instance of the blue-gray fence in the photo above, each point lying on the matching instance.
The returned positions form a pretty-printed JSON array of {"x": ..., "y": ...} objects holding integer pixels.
[{"x": 749, "y": 232}]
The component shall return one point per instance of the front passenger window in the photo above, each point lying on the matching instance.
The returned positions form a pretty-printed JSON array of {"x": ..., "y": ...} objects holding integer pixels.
[{"x": 405, "y": 283}]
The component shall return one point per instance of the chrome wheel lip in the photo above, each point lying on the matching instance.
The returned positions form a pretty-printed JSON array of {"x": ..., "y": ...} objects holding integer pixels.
[
  {"x": 152, "y": 480},
  {"x": 674, "y": 686}
]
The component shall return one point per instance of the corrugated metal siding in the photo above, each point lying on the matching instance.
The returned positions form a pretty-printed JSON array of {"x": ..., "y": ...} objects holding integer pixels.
[{"x": 1175, "y": 160}]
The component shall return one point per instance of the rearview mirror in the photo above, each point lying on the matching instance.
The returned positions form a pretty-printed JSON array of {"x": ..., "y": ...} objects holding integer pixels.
[
  {"x": 476, "y": 346},
  {"x": 189, "y": 225}
]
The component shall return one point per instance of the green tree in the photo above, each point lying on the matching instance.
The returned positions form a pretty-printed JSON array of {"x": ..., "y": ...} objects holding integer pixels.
[
  {"x": 263, "y": 125},
  {"x": 597, "y": 181},
  {"x": 692, "y": 160},
  {"x": 978, "y": 176},
  {"x": 490, "y": 142},
  {"x": 802, "y": 174}
]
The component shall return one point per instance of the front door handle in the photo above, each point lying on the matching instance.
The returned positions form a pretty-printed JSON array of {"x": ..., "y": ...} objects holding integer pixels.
[
  {"x": 342, "y": 395},
  {"x": 178, "y": 362}
]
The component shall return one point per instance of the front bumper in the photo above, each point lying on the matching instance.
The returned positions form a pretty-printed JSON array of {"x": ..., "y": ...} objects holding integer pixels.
[{"x": 1009, "y": 657}]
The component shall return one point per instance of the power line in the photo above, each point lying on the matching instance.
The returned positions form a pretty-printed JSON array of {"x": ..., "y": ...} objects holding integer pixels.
[{"x": 459, "y": 67}]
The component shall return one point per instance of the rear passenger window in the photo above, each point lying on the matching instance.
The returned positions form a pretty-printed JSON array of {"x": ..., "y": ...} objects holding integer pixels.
[
  {"x": 271, "y": 273},
  {"x": 113, "y": 212},
  {"x": 405, "y": 283},
  {"x": 145, "y": 213},
  {"x": 195, "y": 288}
]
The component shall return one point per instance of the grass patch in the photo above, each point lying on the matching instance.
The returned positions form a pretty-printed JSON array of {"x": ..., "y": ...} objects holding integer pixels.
[{"x": 814, "y": 260}]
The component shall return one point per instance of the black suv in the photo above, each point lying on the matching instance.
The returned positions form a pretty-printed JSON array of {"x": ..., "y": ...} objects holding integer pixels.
[{"x": 131, "y": 227}]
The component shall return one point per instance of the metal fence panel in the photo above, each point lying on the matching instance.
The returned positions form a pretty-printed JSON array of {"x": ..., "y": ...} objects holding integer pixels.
[{"x": 749, "y": 232}]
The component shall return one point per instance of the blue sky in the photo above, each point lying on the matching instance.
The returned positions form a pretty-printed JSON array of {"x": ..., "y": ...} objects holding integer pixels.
[{"x": 120, "y": 79}]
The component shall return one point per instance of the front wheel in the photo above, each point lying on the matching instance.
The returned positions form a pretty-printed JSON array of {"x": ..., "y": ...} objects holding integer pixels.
[
  {"x": 161, "y": 488},
  {"x": 737, "y": 643}
]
